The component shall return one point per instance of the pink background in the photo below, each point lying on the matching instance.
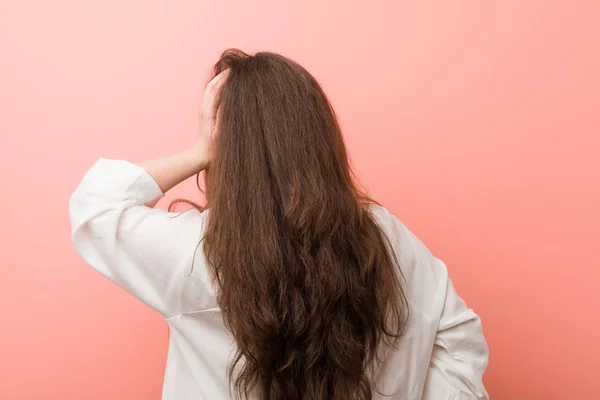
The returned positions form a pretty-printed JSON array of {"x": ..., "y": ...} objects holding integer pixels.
[{"x": 477, "y": 123}]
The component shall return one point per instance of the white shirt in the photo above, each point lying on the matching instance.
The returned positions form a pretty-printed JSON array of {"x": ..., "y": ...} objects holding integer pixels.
[{"x": 155, "y": 255}]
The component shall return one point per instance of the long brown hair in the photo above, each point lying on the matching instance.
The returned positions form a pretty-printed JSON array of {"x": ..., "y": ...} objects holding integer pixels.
[{"x": 307, "y": 282}]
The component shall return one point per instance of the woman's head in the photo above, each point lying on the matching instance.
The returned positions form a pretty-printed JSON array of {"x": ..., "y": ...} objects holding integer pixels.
[
  {"x": 276, "y": 127},
  {"x": 306, "y": 281}
]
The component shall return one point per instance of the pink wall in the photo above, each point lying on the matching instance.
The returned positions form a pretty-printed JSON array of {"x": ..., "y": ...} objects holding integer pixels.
[{"x": 475, "y": 122}]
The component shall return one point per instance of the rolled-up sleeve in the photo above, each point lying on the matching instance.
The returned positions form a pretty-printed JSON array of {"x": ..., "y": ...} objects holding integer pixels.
[
  {"x": 460, "y": 353},
  {"x": 116, "y": 230}
]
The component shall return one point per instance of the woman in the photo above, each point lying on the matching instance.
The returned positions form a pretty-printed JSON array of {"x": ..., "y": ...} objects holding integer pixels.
[{"x": 291, "y": 284}]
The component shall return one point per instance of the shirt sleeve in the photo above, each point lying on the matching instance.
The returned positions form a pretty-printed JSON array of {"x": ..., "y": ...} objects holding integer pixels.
[
  {"x": 146, "y": 251},
  {"x": 460, "y": 353}
]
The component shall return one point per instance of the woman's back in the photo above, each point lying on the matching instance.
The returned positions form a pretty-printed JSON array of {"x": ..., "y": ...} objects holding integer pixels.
[{"x": 293, "y": 285}]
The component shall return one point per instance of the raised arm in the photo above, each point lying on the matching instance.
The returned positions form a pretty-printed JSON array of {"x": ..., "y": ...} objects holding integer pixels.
[{"x": 173, "y": 169}]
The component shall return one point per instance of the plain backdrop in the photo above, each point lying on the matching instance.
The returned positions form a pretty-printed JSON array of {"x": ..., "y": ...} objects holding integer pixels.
[{"x": 475, "y": 122}]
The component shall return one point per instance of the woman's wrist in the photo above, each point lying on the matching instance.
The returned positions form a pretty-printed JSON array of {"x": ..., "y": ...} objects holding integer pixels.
[
  {"x": 202, "y": 151},
  {"x": 197, "y": 157}
]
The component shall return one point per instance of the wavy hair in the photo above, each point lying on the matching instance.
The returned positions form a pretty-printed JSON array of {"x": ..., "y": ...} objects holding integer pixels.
[{"x": 307, "y": 282}]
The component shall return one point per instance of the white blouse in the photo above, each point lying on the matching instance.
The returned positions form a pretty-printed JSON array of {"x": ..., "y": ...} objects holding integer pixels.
[{"x": 155, "y": 255}]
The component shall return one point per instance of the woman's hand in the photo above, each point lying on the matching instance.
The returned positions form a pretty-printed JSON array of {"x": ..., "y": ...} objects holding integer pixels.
[
  {"x": 208, "y": 120},
  {"x": 171, "y": 170}
]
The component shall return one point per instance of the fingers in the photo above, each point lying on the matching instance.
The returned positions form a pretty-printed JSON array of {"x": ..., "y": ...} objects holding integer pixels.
[
  {"x": 213, "y": 87},
  {"x": 212, "y": 90},
  {"x": 217, "y": 80}
]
